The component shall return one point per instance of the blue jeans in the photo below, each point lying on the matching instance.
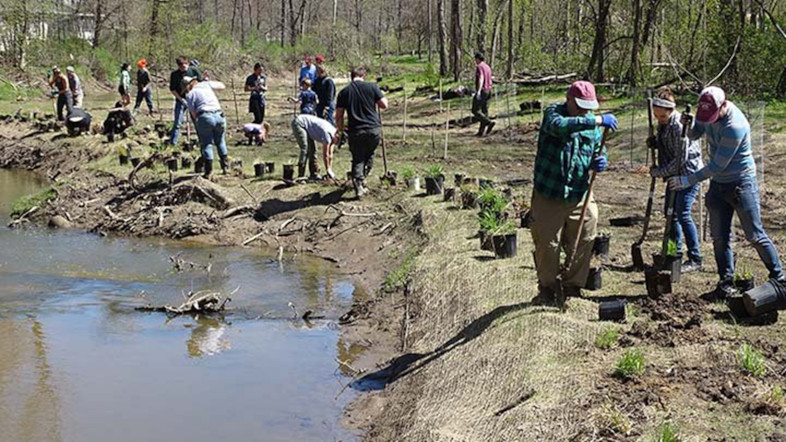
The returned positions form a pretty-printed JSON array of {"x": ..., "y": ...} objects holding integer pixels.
[
  {"x": 723, "y": 199},
  {"x": 147, "y": 96},
  {"x": 683, "y": 225},
  {"x": 180, "y": 112},
  {"x": 210, "y": 127},
  {"x": 326, "y": 112}
]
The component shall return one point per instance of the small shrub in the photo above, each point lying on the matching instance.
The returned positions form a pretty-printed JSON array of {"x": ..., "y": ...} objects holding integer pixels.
[
  {"x": 631, "y": 364},
  {"x": 489, "y": 221},
  {"x": 668, "y": 432},
  {"x": 607, "y": 339},
  {"x": 407, "y": 173},
  {"x": 751, "y": 360},
  {"x": 399, "y": 276},
  {"x": 25, "y": 203},
  {"x": 490, "y": 199},
  {"x": 776, "y": 395},
  {"x": 435, "y": 171},
  {"x": 612, "y": 419}
]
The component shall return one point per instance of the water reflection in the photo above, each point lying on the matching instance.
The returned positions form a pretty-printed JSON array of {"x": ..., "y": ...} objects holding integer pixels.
[{"x": 207, "y": 337}]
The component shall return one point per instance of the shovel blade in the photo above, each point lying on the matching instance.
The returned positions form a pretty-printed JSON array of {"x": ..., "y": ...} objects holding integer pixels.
[{"x": 638, "y": 258}]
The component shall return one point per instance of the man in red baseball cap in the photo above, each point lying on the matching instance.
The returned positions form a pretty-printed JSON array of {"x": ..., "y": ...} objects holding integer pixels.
[
  {"x": 733, "y": 185},
  {"x": 569, "y": 146}
]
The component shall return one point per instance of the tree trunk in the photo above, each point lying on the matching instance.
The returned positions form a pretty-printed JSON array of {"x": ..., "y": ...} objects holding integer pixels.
[
  {"x": 98, "y": 22},
  {"x": 429, "y": 29},
  {"x": 595, "y": 67},
  {"x": 398, "y": 26},
  {"x": 283, "y": 22},
  {"x": 455, "y": 38},
  {"x": 443, "y": 36},
  {"x": 509, "y": 70},
  {"x": 483, "y": 10},
  {"x": 633, "y": 69}
]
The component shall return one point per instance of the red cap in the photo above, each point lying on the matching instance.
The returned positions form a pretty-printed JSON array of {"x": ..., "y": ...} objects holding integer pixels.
[
  {"x": 584, "y": 93},
  {"x": 711, "y": 101},
  {"x": 320, "y": 59}
]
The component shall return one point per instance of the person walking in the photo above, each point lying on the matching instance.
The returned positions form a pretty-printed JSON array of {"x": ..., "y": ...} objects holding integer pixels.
[
  {"x": 124, "y": 85},
  {"x": 325, "y": 88},
  {"x": 733, "y": 186},
  {"x": 360, "y": 100},
  {"x": 674, "y": 160},
  {"x": 309, "y": 130},
  {"x": 480, "y": 101},
  {"x": 76, "y": 86},
  {"x": 569, "y": 147},
  {"x": 307, "y": 70},
  {"x": 256, "y": 83},
  {"x": 65, "y": 98},
  {"x": 144, "y": 89},
  {"x": 210, "y": 123}
]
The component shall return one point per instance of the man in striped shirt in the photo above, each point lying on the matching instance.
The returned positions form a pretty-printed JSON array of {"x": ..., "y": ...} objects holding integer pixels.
[{"x": 733, "y": 186}]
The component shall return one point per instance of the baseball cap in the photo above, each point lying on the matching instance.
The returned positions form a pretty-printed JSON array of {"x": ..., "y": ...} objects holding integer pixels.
[
  {"x": 584, "y": 93},
  {"x": 187, "y": 80},
  {"x": 320, "y": 59},
  {"x": 70, "y": 69},
  {"x": 141, "y": 63},
  {"x": 710, "y": 102}
]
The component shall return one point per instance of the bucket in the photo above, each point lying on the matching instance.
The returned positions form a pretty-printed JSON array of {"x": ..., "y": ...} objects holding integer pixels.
[
  {"x": 270, "y": 167},
  {"x": 413, "y": 184},
  {"x": 259, "y": 170},
  {"x": 743, "y": 285},
  {"x": 504, "y": 245},
  {"x": 289, "y": 172},
  {"x": 171, "y": 164},
  {"x": 601, "y": 246},
  {"x": 658, "y": 283},
  {"x": 594, "y": 279},
  {"x": 765, "y": 298},
  {"x": 434, "y": 185},
  {"x": 612, "y": 310}
]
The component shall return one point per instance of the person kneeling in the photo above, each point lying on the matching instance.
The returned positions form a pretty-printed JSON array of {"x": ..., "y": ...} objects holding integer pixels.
[
  {"x": 256, "y": 133},
  {"x": 78, "y": 121}
]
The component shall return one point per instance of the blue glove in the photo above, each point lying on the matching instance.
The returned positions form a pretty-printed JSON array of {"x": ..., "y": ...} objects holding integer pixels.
[
  {"x": 600, "y": 163},
  {"x": 610, "y": 121},
  {"x": 677, "y": 183}
]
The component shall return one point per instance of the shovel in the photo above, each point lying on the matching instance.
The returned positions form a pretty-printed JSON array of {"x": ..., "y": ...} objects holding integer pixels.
[
  {"x": 673, "y": 194},
  {"x": 389, "y": 176},
  {"x": 635, "y": 248},
  {"x": 570, "y": 258}
]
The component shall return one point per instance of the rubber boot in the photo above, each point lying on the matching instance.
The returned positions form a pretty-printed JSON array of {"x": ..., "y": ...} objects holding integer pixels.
[
  {"x": 208, "y": 169},
  {"x": 222, "y": 160},
  {"x": 301, "y": 171},
  {"x": 481, "y": 130}
]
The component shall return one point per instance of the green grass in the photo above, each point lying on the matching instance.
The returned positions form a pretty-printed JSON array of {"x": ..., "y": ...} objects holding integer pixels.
[
  {"x": 25, "y": 203},
  {"x": 631, "y": 364},
  {"x": 399, "y": 276},
  {"x": 751, "y": 361},
  {"x": 667, "y": 432},
  {"x": 607, "y": 339}
]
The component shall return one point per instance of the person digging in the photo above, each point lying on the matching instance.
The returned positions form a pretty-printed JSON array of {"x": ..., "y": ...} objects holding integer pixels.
[
  {"x": 675, "y": 162},
  {"x": 569, "y": 148},
  {"x": 209, "y": 120},
  {"x": 309, "y": 130},
  {"x": 733, "y": 186}
]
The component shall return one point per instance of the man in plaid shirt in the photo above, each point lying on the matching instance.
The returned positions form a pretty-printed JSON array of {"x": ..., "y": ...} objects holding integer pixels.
[
  {"x": 676, "y": 159},
  {"x": 569, "y": 146}
]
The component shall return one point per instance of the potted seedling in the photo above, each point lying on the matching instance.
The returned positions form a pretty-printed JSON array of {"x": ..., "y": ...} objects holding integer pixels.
[
  {"x": 270, "y": 167},
  {"x": 744, "y": 280},
  {"x": 489, "y": 223},
  {"x": 490, "y": 199},
  {"x": 410, "y": 177},
  {"x": 672, "y": 263},
  {"x": 259, "y": 169},
  {"x": 459, "y": 179},
  {"x": 171, "y": 164},
  {"x": 601, "y": 245},
  {"x": 435, "y": 179},
  {"x": 504, "y": 240},
  {"x": 289, "y": 172},
  {"x": 469, "y": 197}
]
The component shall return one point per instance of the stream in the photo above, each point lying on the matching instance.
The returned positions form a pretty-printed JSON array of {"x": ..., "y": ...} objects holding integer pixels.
[{"x": 80, "y": 364}]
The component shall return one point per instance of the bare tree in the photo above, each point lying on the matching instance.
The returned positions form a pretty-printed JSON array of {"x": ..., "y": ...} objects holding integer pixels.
[
  {"x": 443, "y": 37},
  {"x": 455, "y": 38}
]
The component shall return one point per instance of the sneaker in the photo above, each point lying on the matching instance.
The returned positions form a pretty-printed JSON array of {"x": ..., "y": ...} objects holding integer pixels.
[
  {"x": 691, "y": 266},
  {"x": 331, "y": 175},
  {"x": 724, "y": 290},
  {"x": 490, "y": 127}
]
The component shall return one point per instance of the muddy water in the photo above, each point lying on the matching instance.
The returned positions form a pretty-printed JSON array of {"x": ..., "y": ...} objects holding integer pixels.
[{"x": 79, "y": 364}]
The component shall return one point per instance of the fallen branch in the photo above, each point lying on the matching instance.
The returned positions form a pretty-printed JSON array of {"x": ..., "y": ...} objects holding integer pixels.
[
  {"x": 253, "y": 238},
  {"x": 23, "y": 217},
  {"x": 196, "y": 302},
  {"x": 241, "y": 210},
  {"x": 253, "y": 198}
]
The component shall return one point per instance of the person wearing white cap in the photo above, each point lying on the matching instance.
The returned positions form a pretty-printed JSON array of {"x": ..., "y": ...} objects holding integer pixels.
[
  {"x": 569, "y": 146},
  {"x": 733, "y": 187},
  {"x": 676, "y": 159},
  {"x": 65, "y": 99},
  {"x": 208, "y": 119},
  {"x": 75, "y": 85}
]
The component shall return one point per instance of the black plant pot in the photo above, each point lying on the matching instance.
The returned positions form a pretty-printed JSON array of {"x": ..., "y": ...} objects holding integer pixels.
[
  {"x": 505, "y": 246},
  {"x": 135, "y": 161},
  {"x": 594, "y": 279},
  {"x": 459, "y": 179},
  {"x": 259, "y": 170},
  {"x": 526, "y": 218},
  {"x": 743, "y": 285},
  {"x": 434, "y": 185},
  {"x": 123, "y": 160},
  {"x": 450, "y": 194},
  {"x": 171, "y": 164},
  {"x": 601, "y": 246},
  {"x": 612, "y": 310},
  {"x": 289, "y": 172},
  {"x": 485, "y": 184},
  {"x": 768, "y": 297},
  {"x": 485, "y": 241},
  {"x": 185, "y": 162},
  {"x": 270, "y": 167},
  {"x": 658, "y": 282},
  {"x": 469, "y": 200},
  {"x": 736, "y": 305},
  {"x": 199, "y": 165}
]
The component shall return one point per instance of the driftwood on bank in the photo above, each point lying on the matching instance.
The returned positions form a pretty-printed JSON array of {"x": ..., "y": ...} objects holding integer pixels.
[
  {"x": 548, "y": 79},
  {"x": 195, "y": 302}
]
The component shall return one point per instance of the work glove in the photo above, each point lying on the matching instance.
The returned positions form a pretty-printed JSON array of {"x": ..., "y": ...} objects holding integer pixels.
[
  {"x": 686, "y": 120},
  {"x": 655, "y": 172},
  {"x": 610, "y": 121},
  {"x": 651, "y": 142},
  {"x": 677, "y": 183},
  {"x": 600, "y": 163}
]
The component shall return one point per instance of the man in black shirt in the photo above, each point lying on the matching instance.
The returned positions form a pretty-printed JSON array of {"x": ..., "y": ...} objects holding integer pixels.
[
  {"x": 256, "y": 83},
  {"x": 360, "y": 101},
  {"x": 325, "y": 89}
]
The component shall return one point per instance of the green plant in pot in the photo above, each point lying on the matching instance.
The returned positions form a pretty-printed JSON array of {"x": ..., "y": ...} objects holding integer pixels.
[
  {"x": 744, "y": 280},
  {"x": 409, "y": 175},
  {"x": 469, "y": 197},
  {"x": 489, "y": 224},
  {"x": 490, "y": 199},
  {"x": 435, "y": 179},
  {"x": 505, "y": 239}
]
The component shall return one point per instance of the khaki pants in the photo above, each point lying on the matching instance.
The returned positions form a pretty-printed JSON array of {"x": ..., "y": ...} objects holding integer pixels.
[{"x": 554, "y": 225}]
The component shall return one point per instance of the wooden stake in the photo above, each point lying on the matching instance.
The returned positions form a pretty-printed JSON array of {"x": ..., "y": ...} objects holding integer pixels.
[
  {"x": 404, "y": 130},
  {"x": 234, "y": 99},
  {"x": 507, "y": 103},
  {"x": 447, "y": 132},
  {"x": 440, "y": 94}
]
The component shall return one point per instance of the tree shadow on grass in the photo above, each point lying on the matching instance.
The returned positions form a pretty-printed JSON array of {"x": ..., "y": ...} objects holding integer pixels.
[{"x": 412, "y": 362}]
